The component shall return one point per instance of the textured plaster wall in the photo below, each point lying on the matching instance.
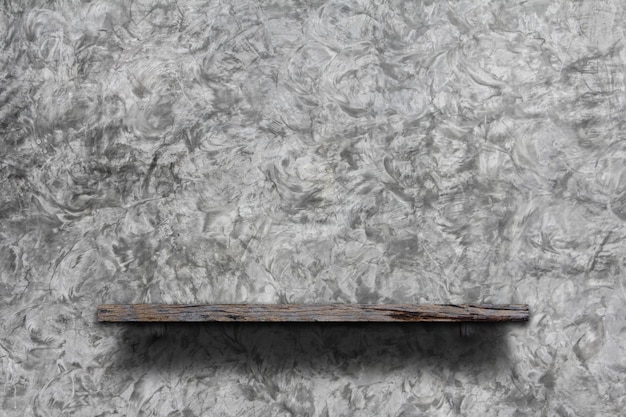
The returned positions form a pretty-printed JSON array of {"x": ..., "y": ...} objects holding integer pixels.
[{"x": 373, "y": 152}]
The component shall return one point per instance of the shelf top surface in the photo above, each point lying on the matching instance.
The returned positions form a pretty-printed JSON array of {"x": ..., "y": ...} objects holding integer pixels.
[{"x": 313, "y": 313}]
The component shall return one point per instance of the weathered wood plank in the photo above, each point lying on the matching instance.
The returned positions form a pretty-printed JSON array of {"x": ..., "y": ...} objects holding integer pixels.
[{"x": 312, "y": 313}]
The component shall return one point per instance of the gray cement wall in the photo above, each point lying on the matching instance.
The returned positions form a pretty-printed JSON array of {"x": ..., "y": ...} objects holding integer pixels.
[{"x": 373, "y": 152}]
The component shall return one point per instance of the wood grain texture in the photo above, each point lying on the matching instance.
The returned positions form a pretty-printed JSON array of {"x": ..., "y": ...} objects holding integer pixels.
[{"x": 312, "y": 313}]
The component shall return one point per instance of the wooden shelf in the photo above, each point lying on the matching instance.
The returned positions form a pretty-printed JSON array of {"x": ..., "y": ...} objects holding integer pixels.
[{"x": 261, "y": 313}]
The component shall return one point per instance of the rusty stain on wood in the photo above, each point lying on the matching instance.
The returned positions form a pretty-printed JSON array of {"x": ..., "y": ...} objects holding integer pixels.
[{"x": 313, "y": 313}]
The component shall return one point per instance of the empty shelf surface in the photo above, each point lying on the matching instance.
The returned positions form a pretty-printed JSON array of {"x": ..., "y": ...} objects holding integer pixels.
[{"x": 312, "y": 312}]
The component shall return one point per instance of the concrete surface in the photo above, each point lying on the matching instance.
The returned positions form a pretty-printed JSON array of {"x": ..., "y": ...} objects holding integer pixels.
[{"x": 374, "y": 152}]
